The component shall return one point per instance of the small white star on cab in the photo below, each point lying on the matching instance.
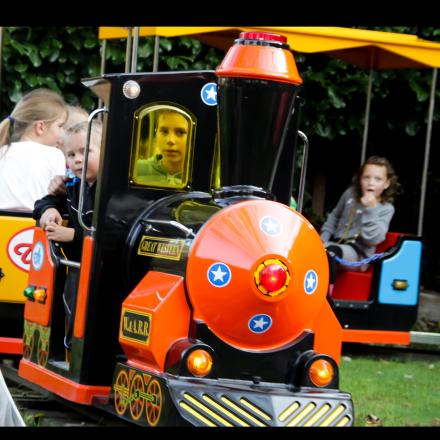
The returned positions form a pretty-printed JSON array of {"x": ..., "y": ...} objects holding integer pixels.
[{"x": 211, "y": 93}]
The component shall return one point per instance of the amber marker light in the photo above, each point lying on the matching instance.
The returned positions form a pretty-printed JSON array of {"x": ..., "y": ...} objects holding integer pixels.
[
  {"x": 321, "y": 372},
  {"x": 199, "y": 363}
]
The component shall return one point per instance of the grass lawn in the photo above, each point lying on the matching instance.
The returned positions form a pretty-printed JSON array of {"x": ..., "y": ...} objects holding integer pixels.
[{"x": 392, "y": 392}]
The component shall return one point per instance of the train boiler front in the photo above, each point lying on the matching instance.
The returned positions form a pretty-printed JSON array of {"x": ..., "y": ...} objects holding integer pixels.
[{"x": 224, "y": 323}]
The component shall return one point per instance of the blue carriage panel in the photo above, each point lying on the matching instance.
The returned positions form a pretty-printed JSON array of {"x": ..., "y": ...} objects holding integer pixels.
[{"x": 403, "y": 266}]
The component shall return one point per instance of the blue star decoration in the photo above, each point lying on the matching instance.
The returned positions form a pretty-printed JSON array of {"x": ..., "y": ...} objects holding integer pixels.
[
  {"x": 310, "y": 282},
  {"x": 270, "y": 226},
  {"x": 209, "y": 93},
  {"x": 219, "y": 274},
  {"x": 260, "y": 323}
]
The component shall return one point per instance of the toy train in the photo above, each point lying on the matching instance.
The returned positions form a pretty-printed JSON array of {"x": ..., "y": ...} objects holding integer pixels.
[{"x": 202, "y": 299}]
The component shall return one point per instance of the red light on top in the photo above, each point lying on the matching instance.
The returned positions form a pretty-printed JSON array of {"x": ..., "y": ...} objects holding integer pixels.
[
  {"x": 273, "y": 277},
  {"x": 266, "y": 36}
]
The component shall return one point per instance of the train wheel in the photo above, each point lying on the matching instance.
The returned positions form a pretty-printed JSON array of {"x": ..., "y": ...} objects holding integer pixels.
[
  {"x": 42, "y": 354},
  {"x": 121, "y": 392},
  {"x": 154, "y": 406},
  {"x": 28, "y": 348},
  {"x": 137, "y": 402}
]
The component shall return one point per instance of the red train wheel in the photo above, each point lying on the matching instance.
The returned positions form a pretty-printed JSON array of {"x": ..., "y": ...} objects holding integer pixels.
[
  {"x": 154, "y": 406},
  {"x": 121, "y": 392},
  {"x": 137, "y": 402}
]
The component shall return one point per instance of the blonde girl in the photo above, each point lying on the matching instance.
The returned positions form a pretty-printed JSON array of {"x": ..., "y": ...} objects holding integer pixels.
[{"x": 28, "y": 159}]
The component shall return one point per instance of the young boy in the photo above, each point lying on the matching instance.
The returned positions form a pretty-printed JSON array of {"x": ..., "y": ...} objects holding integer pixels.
[{"x": 50, "y": 209}]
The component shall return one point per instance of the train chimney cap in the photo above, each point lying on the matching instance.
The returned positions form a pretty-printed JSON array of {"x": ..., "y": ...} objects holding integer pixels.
[{"x": 264, "y": 36}]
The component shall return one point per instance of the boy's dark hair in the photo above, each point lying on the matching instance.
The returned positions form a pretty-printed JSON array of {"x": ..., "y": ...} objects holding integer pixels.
[{"x": 391, "y": 192}]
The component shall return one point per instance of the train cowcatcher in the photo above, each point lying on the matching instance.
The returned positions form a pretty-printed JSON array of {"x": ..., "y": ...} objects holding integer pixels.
[{"x": 202, "y": 300}]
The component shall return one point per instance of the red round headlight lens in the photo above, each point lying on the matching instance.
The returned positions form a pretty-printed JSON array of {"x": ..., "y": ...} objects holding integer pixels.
[{"x": 273, "y": 277}]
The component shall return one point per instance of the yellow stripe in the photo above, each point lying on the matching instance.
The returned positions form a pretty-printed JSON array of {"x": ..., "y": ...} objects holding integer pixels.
[
  {"x": 310, "y": 407},
  {"x": 197, "y": 415},
  {"x": 343, "y": 421},
  {"x": 206, "y": 409},
  {"x": 286, "y": 413},
  {"x": 318, "y": 415},
  {"x": 256, "y": 410},
  {"x": 241, "y": 411},
  {"x": 224, "y": 410},
  {"x": 333, "y": 415}
]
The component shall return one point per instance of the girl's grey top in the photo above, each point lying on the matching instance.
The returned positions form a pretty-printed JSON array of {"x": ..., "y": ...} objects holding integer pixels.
[{"x": 352, "y": 222}]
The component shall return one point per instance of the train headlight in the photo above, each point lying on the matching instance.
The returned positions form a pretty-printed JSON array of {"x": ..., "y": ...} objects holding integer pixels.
[
  {"x": 272, "y": 277},
  {"x": 199, "y": 363},
  {"x": 321, "y": 372}
]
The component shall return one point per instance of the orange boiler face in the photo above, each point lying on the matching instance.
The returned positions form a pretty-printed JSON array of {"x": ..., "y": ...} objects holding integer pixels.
[{"x": 257, "y": 275}]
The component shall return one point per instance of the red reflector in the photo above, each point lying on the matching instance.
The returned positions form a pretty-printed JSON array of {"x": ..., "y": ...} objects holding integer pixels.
[
  {"x": 263, "y": 36},
  {"x": 273, "y": 277}
]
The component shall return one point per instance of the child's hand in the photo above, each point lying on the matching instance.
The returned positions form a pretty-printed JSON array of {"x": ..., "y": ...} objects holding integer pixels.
[
  {"x": 369, "y": 199},
  {"x": 51, "y": 215},
  {"x": 59, "y": 233}
]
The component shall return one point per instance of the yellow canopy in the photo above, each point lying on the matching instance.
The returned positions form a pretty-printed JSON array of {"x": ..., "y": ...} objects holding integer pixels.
[{"x": 364, "y": 48}]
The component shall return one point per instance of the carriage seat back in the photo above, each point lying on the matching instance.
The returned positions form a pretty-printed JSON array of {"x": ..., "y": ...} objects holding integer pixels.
[{"x": 356, "y": 286}]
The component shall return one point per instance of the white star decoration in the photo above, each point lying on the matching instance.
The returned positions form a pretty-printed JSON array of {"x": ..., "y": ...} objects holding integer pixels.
[
  {"x": 211, "y": 93},
  {"x": 310, "y": 280},
  {"x": 259, "y": 323},
  {"x": 218, "y": 274},
  {"x": 270, "y": 225}
]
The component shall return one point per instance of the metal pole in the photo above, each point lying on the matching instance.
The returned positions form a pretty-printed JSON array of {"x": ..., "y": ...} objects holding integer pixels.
[
  {"x": 128, "y": 51},
  {"x": 427, "y": 151},
  {"x": 367, "y": 117},
  {"x": 156, "y": 53},
  {"x": 103, "y": 54},
  {"x": 134, "y": 54}
]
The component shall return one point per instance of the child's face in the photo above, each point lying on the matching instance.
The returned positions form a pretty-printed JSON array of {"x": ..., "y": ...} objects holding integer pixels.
[
  {"x": 74, "y": 150},
  {"x": 374, "y": 179},
  {"x": 172, "y": 134},
  {"x": 51, "y": 134}
]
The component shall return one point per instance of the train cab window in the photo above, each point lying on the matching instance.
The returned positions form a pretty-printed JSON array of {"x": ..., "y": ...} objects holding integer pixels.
[{"x": 163, "y": 142}]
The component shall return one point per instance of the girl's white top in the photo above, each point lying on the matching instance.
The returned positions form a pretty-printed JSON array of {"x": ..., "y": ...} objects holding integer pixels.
[{"x": 26, "y": 168}]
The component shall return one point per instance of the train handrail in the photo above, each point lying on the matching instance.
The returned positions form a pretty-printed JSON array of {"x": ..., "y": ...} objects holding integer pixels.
[
  {"x": 302, "y": 179},
  {"x": 84, "y": 170}
]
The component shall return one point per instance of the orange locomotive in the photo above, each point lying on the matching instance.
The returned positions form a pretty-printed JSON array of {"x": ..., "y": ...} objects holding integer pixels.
[{"x": 202, "y": 296}]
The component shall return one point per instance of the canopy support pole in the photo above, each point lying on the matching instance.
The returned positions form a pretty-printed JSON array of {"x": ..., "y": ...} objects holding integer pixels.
[
  {"x": 156, "y": 53},
  {"x": 427, "y": 151},
  {"x": 103, "y": 55},
  {"x": 367, "y": 117},
  {"x": 128, "y": 51},
  {"x": 134, "y": 52}
]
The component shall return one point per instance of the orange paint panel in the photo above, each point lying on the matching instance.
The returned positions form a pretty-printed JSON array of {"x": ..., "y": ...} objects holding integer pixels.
[
  {"x": 61, "y": 386},
  {"x": 41, "y": 275},
  {"x": 11, "y": 345},
  {"x": 239, "y": 238},
  {"x": 153, "y": 317},
  {"x": 328, "y": 333},
  {"x": 376, "y": 337},
  {"x": 83, "y": 289},
  {"x": 262, "y": 62}
]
